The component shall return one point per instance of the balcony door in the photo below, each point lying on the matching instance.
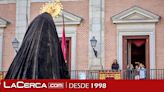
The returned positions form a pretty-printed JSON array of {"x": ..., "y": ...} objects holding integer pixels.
[{"x": 136, "y": 50}]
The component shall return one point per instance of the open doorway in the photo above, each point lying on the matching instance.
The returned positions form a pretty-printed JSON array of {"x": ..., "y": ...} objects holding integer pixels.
[{"x": 135, "y": 50}]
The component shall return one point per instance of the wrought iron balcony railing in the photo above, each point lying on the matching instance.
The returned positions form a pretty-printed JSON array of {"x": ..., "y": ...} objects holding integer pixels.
[{"x": 151, "y": 74}]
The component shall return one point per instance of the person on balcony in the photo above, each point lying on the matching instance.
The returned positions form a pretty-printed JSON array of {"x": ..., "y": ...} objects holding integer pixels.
[
  {"x": 142, "y": 72},
  {"x": 136, "y": 73},
  {"x": 115, "y": 66},
  {"x": 130, "y": 69}
]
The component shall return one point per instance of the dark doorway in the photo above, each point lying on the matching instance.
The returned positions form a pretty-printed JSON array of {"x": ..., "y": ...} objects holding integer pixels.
[{"x": 135, "y": 50}]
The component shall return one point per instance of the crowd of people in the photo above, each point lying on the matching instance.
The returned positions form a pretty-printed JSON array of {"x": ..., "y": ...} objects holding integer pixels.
[{"x": 138, "y": 72}]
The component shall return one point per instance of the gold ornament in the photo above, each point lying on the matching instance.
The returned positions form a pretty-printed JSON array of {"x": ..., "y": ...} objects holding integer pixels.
[{"x": 53, "y": 7}]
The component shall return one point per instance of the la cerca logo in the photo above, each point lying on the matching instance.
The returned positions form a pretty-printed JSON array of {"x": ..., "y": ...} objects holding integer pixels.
[{"x": 22, "y": 84}]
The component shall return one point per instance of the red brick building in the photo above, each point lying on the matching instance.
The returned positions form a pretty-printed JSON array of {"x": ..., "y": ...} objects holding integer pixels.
[{"x": 127, "y": 30}]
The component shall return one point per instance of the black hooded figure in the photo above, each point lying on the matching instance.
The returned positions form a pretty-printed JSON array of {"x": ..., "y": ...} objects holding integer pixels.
[{"x": 40, "y": 55}]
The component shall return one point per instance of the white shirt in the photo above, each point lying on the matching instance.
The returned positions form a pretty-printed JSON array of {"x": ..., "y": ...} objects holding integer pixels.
[{"x": 142, "y": 73}]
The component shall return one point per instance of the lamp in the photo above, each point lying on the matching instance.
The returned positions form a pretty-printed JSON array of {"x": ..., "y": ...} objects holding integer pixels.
[
  {"x": 15, "y": 44},
  {"x": 93, "y": 44}
]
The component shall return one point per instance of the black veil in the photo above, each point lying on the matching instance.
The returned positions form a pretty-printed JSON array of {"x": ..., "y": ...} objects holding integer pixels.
[{"x": 40, "y": 55}]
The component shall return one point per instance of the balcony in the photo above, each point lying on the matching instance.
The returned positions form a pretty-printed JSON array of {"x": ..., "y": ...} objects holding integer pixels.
[
  {"x": 157, "y": 74},
  {"x": 152, "y": 74}
]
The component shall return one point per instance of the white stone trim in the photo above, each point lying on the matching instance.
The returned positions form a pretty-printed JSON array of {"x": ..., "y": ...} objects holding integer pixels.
[
  {"x": 132, "y": 22},
  {"x": 102, "y": 34},
  {"x": 96, "y": 28},
  {"x": 22, "y": 15},
  {"x": 1, "y": 48},
  {"x": 137, "y": 31},
  {"x": 70, "y": 31},
  {"x": 123, "y": 32},
  {"x": 3, "y": 24},
  {"x": 146, "y": 16},
  {"x": 69, "y": 19},
  {"x": 7, "y": 1}
]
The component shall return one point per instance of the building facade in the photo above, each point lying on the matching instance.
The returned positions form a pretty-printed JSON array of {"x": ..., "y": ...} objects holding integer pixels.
[{"x": 127, "y": 30}]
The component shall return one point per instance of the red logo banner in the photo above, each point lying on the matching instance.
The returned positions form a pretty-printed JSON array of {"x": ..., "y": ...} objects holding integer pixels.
[
  {"x": 82, "y": 86},
  {"x": 54, "y": 85}
]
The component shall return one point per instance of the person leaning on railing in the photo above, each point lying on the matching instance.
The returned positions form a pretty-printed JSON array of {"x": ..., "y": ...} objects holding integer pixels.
[
  {"x": 115, "y": 65},
  {"x": 136, "y": 73},
  {"x": 130, "y": 69},
  {"x": 142, "y": 72}
]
